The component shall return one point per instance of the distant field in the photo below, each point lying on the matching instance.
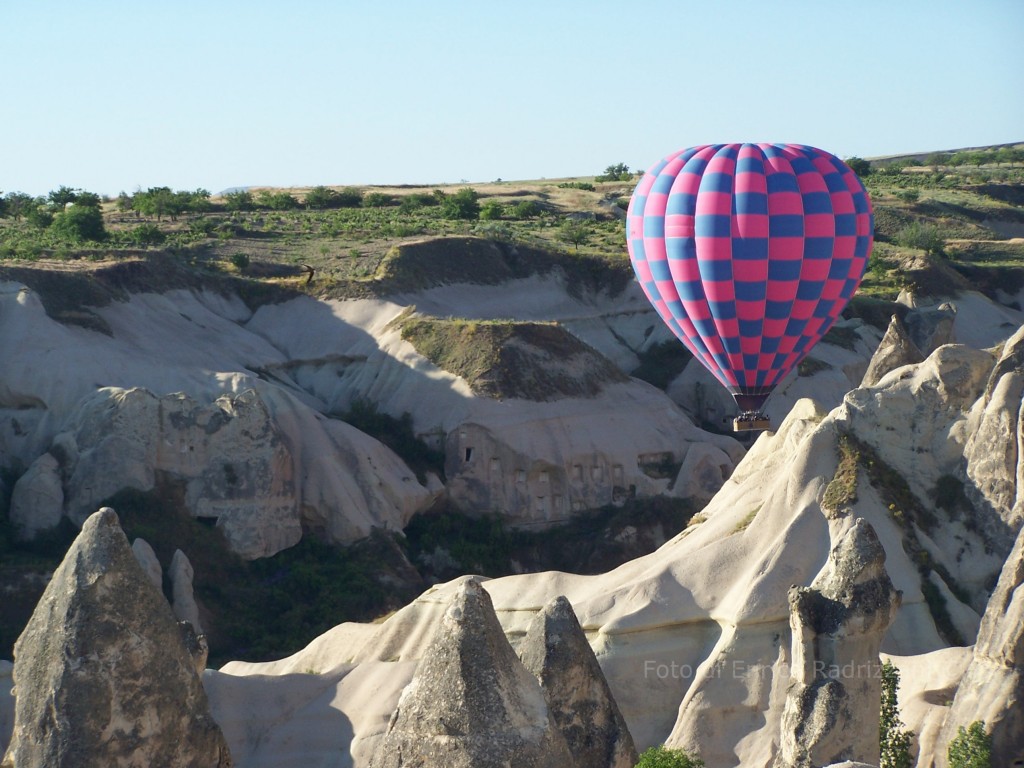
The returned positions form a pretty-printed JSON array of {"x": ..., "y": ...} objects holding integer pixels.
[{"x": 961, "y": 209}]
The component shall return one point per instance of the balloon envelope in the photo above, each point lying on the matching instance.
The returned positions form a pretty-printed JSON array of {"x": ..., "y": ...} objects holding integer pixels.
[{"x": 749, "y": 252}]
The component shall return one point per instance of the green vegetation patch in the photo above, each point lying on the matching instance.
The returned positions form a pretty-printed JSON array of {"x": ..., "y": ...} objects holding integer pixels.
[
  {"x": 841, "y": 490},
  {"x": 308, "y": 588},
  {"x": 484, "y": 545},
  {"x": 661, "y": 363},
  {"x": 504, "y": 359},
  {"x": 398, "y": 435}
]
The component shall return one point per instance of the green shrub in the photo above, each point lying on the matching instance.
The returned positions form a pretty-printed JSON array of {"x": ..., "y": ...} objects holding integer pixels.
[
  {"x": 972, "y": 748},
  {"x": 859, "y": 165},
  {"x": 78, "y": 224},
  {"x": 893, "y": 738},
  {"x": 664, "y": 757},
  {"x": 276, "y": 201},
  {"x": 923, "y": 236},
  {"x": 377, "y": 200},
  {"x": 491, "y": 210},
  {"x": 320, "y": 197},
  {"x": 146, "y": 234},
  {"x": 464, "y": 204},
  {"x": 527, "y": 209},
  {"x": 617, "y": 172},
  {"x": 585, "y": 185},
  {"x": 240, "y": 200},
  {"x": 240, "y": 260},
  {"x": 349, "y": 197},
  {"x": 398, "y": 435}
]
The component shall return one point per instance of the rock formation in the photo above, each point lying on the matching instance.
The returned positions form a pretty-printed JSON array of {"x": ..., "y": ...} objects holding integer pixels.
[
  {"x": 235, "y": 461},
  {"x": 6, "y": 705},
  {"x": 556, "y": 651},
  {"x": 101, "y": 675},
  {"x": 147, "y": 558},
  {"x": 931, "y": 327},
  {"x": 994, "y": 470},
  {"x": 37, "y": 501},
  {"x": 471, "y": 703},
  {"x": 184, "y": 601},
  {"x": 837, "y": 626},
  {"x": 894, "y": 351},
  {"x": 992, "y": 689}
]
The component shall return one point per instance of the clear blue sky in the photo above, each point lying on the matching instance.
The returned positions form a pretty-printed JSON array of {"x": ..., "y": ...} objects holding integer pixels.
[{"x": 112, "y": 96}]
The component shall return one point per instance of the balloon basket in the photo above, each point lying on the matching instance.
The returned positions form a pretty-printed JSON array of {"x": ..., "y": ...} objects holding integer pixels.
[{"x": 751, "y": 422}]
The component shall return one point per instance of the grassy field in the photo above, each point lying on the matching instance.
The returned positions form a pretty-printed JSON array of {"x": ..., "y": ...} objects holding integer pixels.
[{"x": 967, "y": 218}]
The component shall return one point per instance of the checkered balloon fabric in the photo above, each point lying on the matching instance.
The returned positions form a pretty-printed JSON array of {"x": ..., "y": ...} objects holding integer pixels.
[{"x": 749, "y": 252}]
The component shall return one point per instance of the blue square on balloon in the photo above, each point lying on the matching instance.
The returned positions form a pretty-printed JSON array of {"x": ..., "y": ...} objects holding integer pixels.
[
  {"x": 660, "y": 270},
  {"x": 777, "y": 310},
  {"x": 795, "y": 327},
  {"x": 751, "y": 291},
  {"x": 750, "y": 165},
  {"x": 810, "y": 289},
  {"x": 654, "y": 226},
  {"x": 713, "y": 225},
  {"x": 846, "y": 224},
  {"x": 690, "y": 290},
  {"x": 723, "y": 310},
  {"x": 750, "y": 203},
  {"x": 787, "y": 271},
  {"x": 834, "y": 182},
  {"x": 802, "y": 165},
  {"x": 817, "y": 202},
  {"x": 715, "y": 271},
  {"x": 751, "y": 329},
  {"x": 770, "y": 344},
  {"x": 819, "y": 247},
  {"x": 675, "y": 308},
  {"x": 716, "y": 182},
  {"x": 662, "y": 185},
  {"x": 786, "y": 225},
  {"x": 839, "y": 269},
  {"x": 681, "y": 203},
  {"x": 823, "y": 309},
  {"x": 750, "y": 249},
  {"x": 781, "y": 182},
  {"x": 706, "y": 328}
]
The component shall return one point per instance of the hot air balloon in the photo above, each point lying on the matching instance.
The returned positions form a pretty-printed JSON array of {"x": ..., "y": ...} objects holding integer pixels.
[{"x": 749, "y": 252}]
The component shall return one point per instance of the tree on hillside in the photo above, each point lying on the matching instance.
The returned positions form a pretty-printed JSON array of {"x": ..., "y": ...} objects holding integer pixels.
[
  {"x": 320, "y": 198},
  {"x": 239, "y": 200},
  {"x": 61, "y": 197},
  {"x": 893, "y": 738},
  {"x": 79, "y": 223},
  {"x": 526, "y": 209},
  {"x": 464, "y": 204},
  {"x": 196, "y": 201},
  {"x": 859, "y": 165},
  {"x": 575, "y": 232},
  {"x": 156, "y": 201},
  {"x": 972, "y": 748},
  {"x": 491, "y": 210},
  {"x": 37, "y": 213},
  {"x": 617, "y": 172},
  {"x": 18, "y": 204},
  {"x": 124, "y": 202},
  {"x": 665, "y": 757},
  {"x": 276, "y": 201},
  {"x": 349, "y": 197},
  {"x": 88, "y": 199}
]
